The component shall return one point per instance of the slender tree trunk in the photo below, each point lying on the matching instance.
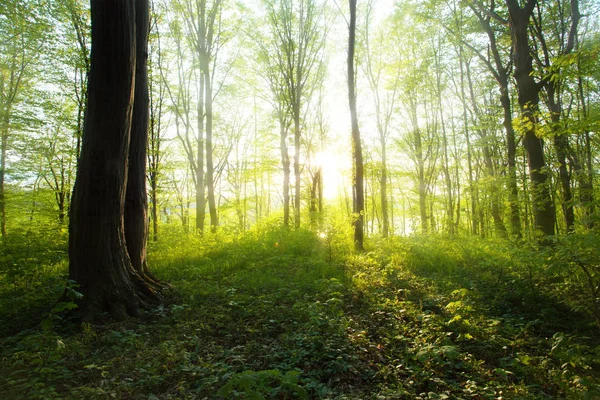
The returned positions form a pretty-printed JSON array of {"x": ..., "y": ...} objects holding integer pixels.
[
  {"x": 210, "y": 176},
  {"x": 586, "y": 176},
  {"x": 285, "y": 162},
  {"x": 446, "y": 170},
  {"x": 421, "y": 181},
  {"x": 3, "y": 151},
  {"x": 495, "y": 199},
  {"x": 200, "y": 183},
  {"x": 384, "y": 188},
  {"x": 314, "y": 200},
  {"x": 511, "y": 146},
  {"x": 561, "y": 146},
  {"x": 297, "y": 192},
  {"x": 472, "y": 189},
  {"x": 358, "y": 176}
]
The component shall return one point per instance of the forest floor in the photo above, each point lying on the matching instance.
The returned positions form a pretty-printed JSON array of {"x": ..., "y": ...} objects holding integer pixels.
[{"x": 291, "y": 315}]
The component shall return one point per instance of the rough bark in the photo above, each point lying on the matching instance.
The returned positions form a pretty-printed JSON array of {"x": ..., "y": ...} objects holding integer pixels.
[
  {"x": 98, "y": 253},
  {"x": 136, "y": 198}
]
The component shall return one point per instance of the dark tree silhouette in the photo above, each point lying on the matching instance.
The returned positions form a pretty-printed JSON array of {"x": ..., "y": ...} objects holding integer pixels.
[{"x": 107, "y": 233}]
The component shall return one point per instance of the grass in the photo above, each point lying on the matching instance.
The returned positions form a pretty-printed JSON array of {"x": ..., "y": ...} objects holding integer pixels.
[{"x": 288, "y": 315}]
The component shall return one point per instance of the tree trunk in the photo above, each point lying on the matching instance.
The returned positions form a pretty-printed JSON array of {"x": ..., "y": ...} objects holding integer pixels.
[
  {"x": 314, "y": 199},
  {"x": 358, "y": 176},
  {"x": 511, "y": 147},
  {"x": 285, "y": 163},
  {"x": 501, "y": 75},
  {"x": 3, "y": 150},
  {"x": 210, "y": 176},
  {"x": 472, "y": 189},
  {"x": 384, "y": 188},
  {"x": 200, "y": 183},
  {"x": 297, "y": 164},
  {"x": 136, "y": 198},
  {"x": 98, "y": 253},
  {"x": 528, "y": 90},
  {"x": 561, "y": 146},
  {"x": 586, "y": 177}
]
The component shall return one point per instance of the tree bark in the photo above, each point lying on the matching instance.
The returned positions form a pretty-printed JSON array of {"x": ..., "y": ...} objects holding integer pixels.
[
  {"x": 358, "y": 176},
  {"x": 528, "y": 95},
  {"x": 136, "y": 198},
  {"x": 98, "y": 253}
]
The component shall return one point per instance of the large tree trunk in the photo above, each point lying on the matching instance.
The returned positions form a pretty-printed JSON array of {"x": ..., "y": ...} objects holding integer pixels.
[
  {"x": 99, "y": 258},
  {"x": 528, "y": 90},
  {"x": 358, "y": 176},
  {"x": 136, "y": 198}
]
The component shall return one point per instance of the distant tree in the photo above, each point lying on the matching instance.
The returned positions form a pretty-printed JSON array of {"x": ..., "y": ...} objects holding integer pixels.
[
  {"x": 108, "y": 225},
  {"x": 383, "y": 82},
  {"x": 156, "y": 131},
  {"x": 298, "y": 32},
  {"x": 358, "y": 168},
  {"x": 20, "y": 46}
]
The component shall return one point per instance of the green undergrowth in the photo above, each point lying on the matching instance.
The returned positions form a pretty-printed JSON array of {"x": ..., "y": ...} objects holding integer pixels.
[{"x": 275, "y": 314}]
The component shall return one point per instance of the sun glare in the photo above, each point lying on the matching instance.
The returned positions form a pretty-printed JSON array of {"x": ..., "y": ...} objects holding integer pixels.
[{"x": 331, "y": 163}]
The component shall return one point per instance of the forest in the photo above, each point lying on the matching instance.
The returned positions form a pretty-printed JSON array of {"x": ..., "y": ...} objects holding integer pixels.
[{"x": 299, "y": 199}]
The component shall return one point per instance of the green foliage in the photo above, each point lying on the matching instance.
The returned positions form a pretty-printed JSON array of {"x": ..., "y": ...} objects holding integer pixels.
[
  {"x": 267, "y": 315},
  {"x": 262, "y": 385}
]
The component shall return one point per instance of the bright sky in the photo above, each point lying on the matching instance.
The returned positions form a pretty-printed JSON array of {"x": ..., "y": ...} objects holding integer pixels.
[{"x": 337, "y": 158}]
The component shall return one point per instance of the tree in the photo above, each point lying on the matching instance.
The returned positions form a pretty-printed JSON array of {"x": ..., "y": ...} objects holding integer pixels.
[
  {"x": 299, "y": 35},
  {"x": 108, "y": 224},
  {"x": 157, "y": 92},
  {"x": 20, "y": 45},
  {"x": 358, "y": 168},
  {"x": 554, "y": 85},
  {"x": 528, "y": 95},
  {"x": 500, "y": 68},
  {"x": 377, "y": 62}
]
